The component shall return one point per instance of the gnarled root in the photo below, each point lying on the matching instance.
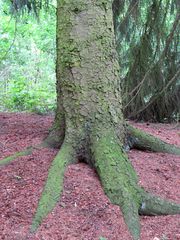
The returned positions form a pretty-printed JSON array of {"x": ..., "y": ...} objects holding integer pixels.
[
  {"x": 54, "y": 140},
  {"x": 144, "y": 141},
  {"x": 120, "y": 183},
  {"x": 54, "y": 184}
]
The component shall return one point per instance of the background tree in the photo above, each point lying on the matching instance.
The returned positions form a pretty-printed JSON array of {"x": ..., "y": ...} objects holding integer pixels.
[
  {"x": 89, "y": 124},
  {"x": 147, "y": 35}
]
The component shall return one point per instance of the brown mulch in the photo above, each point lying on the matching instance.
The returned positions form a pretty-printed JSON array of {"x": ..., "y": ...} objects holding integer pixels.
[{"x": 84, "y": 212}]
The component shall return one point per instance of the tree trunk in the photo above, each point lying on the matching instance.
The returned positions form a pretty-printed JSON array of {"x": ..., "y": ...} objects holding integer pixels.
[
  {"x": 87, "y": 68},
  {"x": 89, "y": 112}
]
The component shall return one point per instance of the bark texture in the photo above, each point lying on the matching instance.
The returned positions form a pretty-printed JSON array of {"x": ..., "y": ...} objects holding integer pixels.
[
  {"x": 89, "y": 111},
  {"x": 144, "y": 141},
  {"x": 87, "y": 67}
]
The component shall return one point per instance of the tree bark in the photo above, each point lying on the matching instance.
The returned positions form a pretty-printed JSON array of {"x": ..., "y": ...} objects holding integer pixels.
[
  {"x": 87, "y": 67},
  {"x": 90, "y": 111},
  {"x": 144, "y": 141}
]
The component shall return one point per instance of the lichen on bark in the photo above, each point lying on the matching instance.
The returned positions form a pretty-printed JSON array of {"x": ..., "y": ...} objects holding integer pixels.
[{"x": 89, "y": 110}]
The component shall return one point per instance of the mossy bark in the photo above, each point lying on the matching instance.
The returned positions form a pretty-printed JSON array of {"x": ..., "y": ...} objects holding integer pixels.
[
  {"x": 54, "y": 184},
  {"x": 117, "y": 176},
  {"x": 144, "y": 141},
  {"x": 88, "y": 70},
  {"x": 89, "y": 110}
]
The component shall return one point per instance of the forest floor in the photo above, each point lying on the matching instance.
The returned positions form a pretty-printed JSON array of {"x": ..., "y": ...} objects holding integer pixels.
[{"x": 84, "y": 212}]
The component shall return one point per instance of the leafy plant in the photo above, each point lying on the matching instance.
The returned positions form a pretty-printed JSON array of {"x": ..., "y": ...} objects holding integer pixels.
[{"x": 27, "y": 61}]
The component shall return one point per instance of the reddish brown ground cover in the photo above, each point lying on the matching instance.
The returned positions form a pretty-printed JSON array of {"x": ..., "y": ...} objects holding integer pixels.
[{"x": 84, "y": 212}]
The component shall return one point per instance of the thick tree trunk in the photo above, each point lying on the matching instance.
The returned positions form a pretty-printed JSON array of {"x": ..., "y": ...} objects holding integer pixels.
[
  {"x": 89, "y": 112},
  {"x": 87, "y": 68}
]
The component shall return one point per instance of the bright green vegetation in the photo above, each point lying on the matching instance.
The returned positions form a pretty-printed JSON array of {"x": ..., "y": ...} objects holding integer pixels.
[
  {"x": 27, "y": 61},
  {"x": 102, "y": 238}
]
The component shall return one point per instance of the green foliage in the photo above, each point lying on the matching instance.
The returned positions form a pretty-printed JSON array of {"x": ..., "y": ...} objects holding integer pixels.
[
  {"x": 27, "y": 62},
  {"x": 22, "y": 97},
  {"x": 147, "y": 35},
  {"x": 102, "y": 238}
]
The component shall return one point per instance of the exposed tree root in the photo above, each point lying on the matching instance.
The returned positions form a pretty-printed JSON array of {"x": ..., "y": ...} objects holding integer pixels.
[
  {"x": 25, "y": 152},
  {"x": 54, "y": 184},
  {"x": 120, "y": 183},
  {"x": 56, "y": 134},
  {"x": 49, "y": 142},
  {"x": 153, "y": 205},
  {"x": 118, "y": 178},
  {"x": 117, "y": 175},
  {"x": 140, "y": 140},
  {"x": 9, "y": 159}
]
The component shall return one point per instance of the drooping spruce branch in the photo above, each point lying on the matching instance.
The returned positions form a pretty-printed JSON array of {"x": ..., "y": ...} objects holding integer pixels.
[
  {"x": 150, "y": 59},
  {"x": 28, "y": 5},
  {"x": 158, "y": 94}
]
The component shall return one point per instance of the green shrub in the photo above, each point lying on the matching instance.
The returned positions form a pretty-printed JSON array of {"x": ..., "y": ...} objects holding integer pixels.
[{"x": 27, "y": 62}]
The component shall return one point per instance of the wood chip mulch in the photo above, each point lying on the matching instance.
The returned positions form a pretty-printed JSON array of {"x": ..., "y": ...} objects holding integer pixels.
[{"x": 84, "y": 212}]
